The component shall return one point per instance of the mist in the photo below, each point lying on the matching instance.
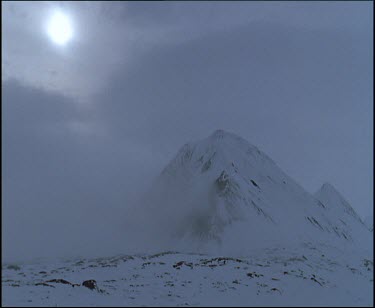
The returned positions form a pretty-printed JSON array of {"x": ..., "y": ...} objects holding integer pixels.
[
  {"x": 63, "y": 195},
  {"x": 89, "y": 128}
]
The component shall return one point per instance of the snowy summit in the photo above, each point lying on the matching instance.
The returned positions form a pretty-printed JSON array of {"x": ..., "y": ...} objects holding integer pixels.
[
  {"x": 238, "y": 231},
  {"x": 222, "y": 187}
]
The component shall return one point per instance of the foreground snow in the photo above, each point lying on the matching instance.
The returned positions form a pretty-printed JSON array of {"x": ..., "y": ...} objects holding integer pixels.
[{"x": 306, "y": 275}]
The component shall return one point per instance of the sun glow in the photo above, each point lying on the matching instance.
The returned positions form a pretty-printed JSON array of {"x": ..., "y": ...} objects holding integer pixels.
[{"x": 59, "y": 28}]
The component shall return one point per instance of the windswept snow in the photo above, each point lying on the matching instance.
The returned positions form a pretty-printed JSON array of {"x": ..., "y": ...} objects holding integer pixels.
[
  {"x": 224, "y": 191},
  {"x": 336, "y": 203},
  {"x": 369, "y": 222},
  {"x": 306, "y": 276},
  {"x": 242, "y": 232}
]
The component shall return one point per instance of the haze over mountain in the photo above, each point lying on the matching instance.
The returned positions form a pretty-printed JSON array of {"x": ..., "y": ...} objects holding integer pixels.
[
  {"x": 99, "y": 206},
  {"x": 87, "y": 125},
  {"x": 238, "y": 230},
  {"x": 222, "y": 190}
]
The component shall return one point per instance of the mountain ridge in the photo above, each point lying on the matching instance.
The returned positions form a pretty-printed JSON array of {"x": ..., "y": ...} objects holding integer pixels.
[{"x": 220, "y": 182}]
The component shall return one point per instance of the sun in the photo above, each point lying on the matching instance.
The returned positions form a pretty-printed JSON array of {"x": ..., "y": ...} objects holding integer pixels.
[{"x": 59, "y": 28}]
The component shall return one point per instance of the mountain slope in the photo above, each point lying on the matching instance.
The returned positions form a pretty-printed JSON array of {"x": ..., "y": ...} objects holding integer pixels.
[
  {"x": 241, "y": 232},
  {"x": 369, "y": 222},
  {"x": 221, "y": 188},
  {"x": 339, "y": 209},
  {"x": 329, "y": 196}
]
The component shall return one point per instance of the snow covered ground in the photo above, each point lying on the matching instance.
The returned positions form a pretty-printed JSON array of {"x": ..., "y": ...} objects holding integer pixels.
[
  {"x": 306, "y": 275},
  {"x": 268, "y": 242}
]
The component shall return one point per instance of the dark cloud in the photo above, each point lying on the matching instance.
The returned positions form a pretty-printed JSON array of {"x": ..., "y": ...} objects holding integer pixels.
[
  {"x": 295, "y": 79},
  {"x": 302, "y": 95},
  {"x": 64, "y": 193}
]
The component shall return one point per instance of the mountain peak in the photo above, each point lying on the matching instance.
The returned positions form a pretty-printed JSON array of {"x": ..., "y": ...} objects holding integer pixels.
[
  {"x": 330, "y": 196},
  {"x": 222, "y": 182},
  {"x": 218, "y": 134},
  {"x": 329, "y": 190},
  {"x": 329, "y": 187}
]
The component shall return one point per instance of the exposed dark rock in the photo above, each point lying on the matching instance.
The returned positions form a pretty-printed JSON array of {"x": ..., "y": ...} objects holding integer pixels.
[
  {"x": 254, "y": 274},
  {"x": 44, "y": 284},
  {"x": 276, "y": 289},
  {"x": 179, "y": 264},
  {"x": 222, "y": 181},
  {"x": 206, "y": 166},
  {"x": 161, "y": 254},
  {"x": 63, "y": 281},
  {"x": 91, "y": 284},
  {"x": 313, "y": 279},
  {"x": 13, "y": 267},
  {"x": 220, "y": 261},
  {"x": 255, "y": 184}
]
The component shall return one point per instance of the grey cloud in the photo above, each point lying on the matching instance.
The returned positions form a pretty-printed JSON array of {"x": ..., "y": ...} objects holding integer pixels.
[
  {"x": 60, "y": 186},
  {"x": 294, "y": 79},
  {"x": 301, "y": 95},
  {"x": 111, "y": 34}
]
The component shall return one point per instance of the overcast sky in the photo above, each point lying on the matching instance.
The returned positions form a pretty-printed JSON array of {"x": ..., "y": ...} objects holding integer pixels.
[{"x": 87, "y": 125}]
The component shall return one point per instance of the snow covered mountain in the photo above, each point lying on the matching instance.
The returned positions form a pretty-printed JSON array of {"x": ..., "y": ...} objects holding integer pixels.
[
  {"x": 335, "y": 202},
  {"x": 369, "y": 222},
  {"x": 340, "y": 208},
  {"x": 239, "y": 230},
  {"x": 223, "y": 190}
]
